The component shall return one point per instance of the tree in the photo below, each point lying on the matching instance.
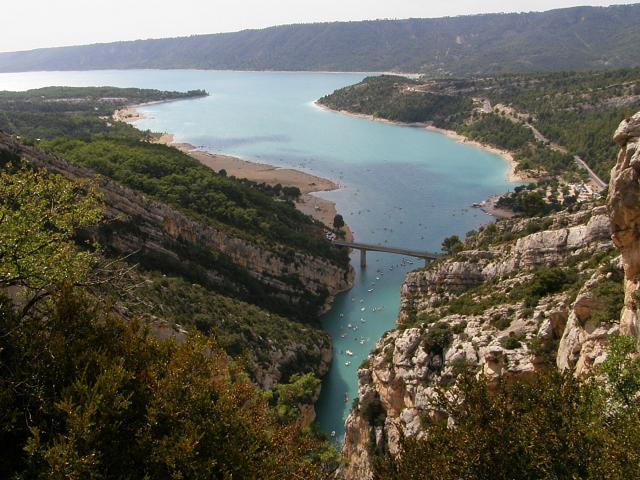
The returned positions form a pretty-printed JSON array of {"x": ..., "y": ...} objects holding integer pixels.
[
  {"x": 87, "y": 394},
  {"x": 39, "y": 215},
  {"x": 338, "y": 222},
  {"x": 451, "y": 245},
  {"x": 292, "y": 193}
]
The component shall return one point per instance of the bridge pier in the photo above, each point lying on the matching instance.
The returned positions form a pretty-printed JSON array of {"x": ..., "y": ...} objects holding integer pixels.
[{"x": 363, "y": 258}]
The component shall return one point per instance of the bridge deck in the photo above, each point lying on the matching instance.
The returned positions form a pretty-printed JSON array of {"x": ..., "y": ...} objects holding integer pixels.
[{"x": 382, "y": 248}]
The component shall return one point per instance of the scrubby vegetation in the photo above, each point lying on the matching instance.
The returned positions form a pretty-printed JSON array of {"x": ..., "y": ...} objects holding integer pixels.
[
  {"x": 395, "y": 98},
  {"x": 553, "y": 426},
  {"x": 179, "y": 180},
  {"x": 570, "y": 109},
  {"x": 50, "y": 112},
  {"x": 88, "y": 394}
]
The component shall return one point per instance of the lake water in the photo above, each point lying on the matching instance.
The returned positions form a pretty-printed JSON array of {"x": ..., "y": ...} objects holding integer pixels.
[{"x": 402, "y": 186}]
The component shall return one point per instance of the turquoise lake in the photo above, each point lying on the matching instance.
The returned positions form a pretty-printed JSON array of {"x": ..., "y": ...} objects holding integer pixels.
[{"x": 402, "y": 186}]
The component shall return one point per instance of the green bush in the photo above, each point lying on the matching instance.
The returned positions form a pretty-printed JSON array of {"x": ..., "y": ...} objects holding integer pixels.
[
  {"x": 437, "y": 338},
  {"x": 550, "y": 426},
  {"x": 372, "y": 411}
]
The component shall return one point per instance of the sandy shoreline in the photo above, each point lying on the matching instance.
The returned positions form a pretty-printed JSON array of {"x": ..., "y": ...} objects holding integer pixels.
[
  {"x": 507, "y": 156},
  {"x": 316, "y": 207}
]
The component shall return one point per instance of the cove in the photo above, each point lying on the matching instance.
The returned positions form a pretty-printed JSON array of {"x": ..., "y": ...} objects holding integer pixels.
[{"x": 402, "y": 186}]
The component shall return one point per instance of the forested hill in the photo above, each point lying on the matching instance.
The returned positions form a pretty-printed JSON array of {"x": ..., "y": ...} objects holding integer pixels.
[
  {"x": 544, "y": 120},
  {"x": 575, "y": 38}
]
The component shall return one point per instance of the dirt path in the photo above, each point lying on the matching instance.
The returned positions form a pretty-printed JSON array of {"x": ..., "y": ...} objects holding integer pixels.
[{"x": 518, "y": 117}]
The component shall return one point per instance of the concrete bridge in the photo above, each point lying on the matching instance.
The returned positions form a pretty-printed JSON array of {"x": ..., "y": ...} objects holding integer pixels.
[{"x": 364, "y": 247}]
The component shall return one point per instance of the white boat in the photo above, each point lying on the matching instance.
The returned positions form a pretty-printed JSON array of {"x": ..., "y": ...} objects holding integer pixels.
[
  {"x": 333, "y": 433},
  {"x": 363, "y": 320},
  {"x": 370, "y": 290},
  {"x": 349, "y": 352},
  {"x": 348, "y": 325},
  {"x": 362, "y": 309},
  {"x": 347, "y": 363}
]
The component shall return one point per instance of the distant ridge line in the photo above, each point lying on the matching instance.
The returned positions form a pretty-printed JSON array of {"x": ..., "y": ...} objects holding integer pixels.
[{"x": 577, "y": 38}]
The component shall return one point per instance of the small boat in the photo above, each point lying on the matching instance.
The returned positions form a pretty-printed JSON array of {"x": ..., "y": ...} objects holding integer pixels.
[
  {"x": 476, "y": 205},
  {"x": 341, "y": 315},
  {"x": 347, "y": 363},
  {"x": 349, "y": 325},
  {"x": 377, "y": 278},
  {"x": 346, "y": 397},
  {"x": 370, "y": 290},
  {"x": 343, "y": 335},
  {"x": 363, "y": 320},
  {"x": 362, "y": 342},
  {"x": 349, "y": 352},
  {"x": 333, "y": 433},
  {"x": 362, "y": 309}
]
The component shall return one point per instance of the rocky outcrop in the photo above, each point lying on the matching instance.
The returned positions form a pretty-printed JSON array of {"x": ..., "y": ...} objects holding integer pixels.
[
  {"x": 160, "y": 236},
  {"x": 584, "y": 340},
  {"x": 461, "y": 313},
  {"x": 272, "y": 276},
  {"x": 469, "y": 312},
  {"x": 624, "y": 209}
]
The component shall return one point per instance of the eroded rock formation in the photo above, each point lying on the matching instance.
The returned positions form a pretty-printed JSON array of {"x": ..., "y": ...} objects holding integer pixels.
[
  {"x": 488, "y": 329},
  {"x": 624, "y": 209}
]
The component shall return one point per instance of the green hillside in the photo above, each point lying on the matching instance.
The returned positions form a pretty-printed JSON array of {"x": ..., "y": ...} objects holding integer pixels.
[
  {"x": 570, "y": 109},
  {"x": 574, "y": 38}
]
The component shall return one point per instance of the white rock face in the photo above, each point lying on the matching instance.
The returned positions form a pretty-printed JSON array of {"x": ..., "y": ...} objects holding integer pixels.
[
  {"x": 624, "y": 210},
  {"x": 505, "y": 340}
]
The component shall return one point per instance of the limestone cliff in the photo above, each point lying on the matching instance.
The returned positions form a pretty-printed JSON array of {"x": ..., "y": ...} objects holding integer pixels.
[
  {"x": 624, "y": 209},
  {"x": 275, "y": 277},
  {"x": 154, "y": 230},
  {"x": 510, "y": 304}
]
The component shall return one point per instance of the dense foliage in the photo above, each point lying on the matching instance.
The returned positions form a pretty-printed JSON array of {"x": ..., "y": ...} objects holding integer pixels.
[
  {"x": 246, "y": 332},
  {"x": 179, "y": 180},
  {"x": 575, "y": 38},
  {"x": 552, "y": 426},
  {"x": 85, "y": 394},
  {"x": 574, "y": 109},
  {"x": 52, "y": 112},
  {"x": 395, "y": 98}
]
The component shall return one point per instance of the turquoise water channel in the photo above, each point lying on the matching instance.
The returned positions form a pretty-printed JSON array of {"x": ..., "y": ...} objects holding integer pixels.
[{"x": 402, "y": 186}]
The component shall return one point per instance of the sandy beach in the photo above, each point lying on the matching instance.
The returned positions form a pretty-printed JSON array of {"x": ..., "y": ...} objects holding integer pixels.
[{"x": 316, "y": 207}]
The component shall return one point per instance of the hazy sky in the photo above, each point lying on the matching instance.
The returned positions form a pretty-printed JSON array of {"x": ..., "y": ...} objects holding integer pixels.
[{"x": 28, "y": 24}]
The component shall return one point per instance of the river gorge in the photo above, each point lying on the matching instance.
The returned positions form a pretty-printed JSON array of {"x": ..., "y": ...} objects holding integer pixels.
[{"x": 399, "y": 186}]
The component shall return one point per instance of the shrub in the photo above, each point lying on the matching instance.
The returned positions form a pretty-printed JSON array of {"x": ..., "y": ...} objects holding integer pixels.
[
  {"x": 437, "y": 338},
  {"x": 372, "y": 411},
  {"x": 550, "y": 426}
]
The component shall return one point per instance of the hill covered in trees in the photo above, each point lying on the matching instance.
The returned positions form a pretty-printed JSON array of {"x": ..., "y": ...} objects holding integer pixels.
[
  {"x": 575, "y": 38},
  {"x": 203, "y": 253},
  {"x": 544, "y": 120}
]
